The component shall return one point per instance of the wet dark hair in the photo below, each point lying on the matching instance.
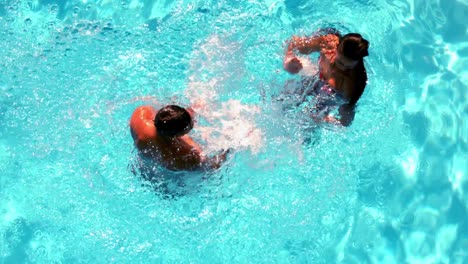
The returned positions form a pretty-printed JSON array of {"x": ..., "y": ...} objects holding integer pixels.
[
  {"x": 172, "y": 120},
  {"x": 353, "y": 46}
]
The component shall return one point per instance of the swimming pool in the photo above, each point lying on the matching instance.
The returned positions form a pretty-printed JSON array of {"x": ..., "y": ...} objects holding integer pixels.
[{"x": 392, "y": 188}]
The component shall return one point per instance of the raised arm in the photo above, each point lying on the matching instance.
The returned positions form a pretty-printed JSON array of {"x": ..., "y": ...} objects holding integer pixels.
[{"x": 305, "y": 45}]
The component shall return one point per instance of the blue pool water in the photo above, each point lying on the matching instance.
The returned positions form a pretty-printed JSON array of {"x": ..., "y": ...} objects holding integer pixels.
[{"x": 392, "y": 188}]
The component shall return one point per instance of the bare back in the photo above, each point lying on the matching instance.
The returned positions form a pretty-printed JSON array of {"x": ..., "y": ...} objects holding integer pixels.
[{"x": 344, "y": 82}]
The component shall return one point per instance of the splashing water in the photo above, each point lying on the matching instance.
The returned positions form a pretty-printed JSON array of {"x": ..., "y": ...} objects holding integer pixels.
[{"x": 230, "y": 124}]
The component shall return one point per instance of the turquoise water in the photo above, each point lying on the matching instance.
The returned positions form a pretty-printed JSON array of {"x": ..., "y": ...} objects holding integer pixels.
[{"x": 392, "y": 188}]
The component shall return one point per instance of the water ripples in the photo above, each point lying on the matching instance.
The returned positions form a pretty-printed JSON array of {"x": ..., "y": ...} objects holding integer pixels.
[{"x": 353, "y": 197}]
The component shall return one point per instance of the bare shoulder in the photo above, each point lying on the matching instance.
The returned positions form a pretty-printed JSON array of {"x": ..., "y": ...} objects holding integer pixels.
[
  {"x": 143, "y": 113},
  {"x": 191, "y": 145},
  {"x": 144, "y": 109},
  {"x": 141, "y": 122},
  {"x": 329, "y": 42}
]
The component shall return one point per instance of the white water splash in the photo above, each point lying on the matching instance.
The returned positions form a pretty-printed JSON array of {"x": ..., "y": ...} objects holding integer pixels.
[
  {"x": 231, "y": 124},
  {"x": 309, "y": 68}
]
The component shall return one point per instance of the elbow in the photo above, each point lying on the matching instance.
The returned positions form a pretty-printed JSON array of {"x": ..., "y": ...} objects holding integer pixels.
[
  {"x": 346, "y": 122},
  {"x": 347, "y": 113}
]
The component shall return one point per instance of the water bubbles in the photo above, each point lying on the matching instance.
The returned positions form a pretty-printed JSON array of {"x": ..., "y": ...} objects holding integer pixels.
[
  {"x": 51, "y": 25},
  {"x": 108, "y": 26},
  {"x": 13, "y": 8},
  {"x": 54, "y": 9},
  {"x": 124, "y": 4},
  {"x": 76, "y": 11},
  {"x": 66, "y": 29},
  {"x": 203, "y": 10},
  {"x": 80, "y": 25},
  {"x": 28, "y": 22},
  {"x": 30, "y": 5}
]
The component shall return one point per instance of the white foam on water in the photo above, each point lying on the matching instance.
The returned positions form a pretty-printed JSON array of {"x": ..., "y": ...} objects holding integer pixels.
[
  {"x": 309, "y": 69},
  {"x": 10, "y": 212},
  {"x": 236, "y": 127},
  {"x": 231, "y": 124}
]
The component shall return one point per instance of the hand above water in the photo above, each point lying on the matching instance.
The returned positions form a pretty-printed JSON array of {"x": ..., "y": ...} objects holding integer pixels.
[
  {"x": 292, "y": 65},
  {"x": 217, "y": 160}
]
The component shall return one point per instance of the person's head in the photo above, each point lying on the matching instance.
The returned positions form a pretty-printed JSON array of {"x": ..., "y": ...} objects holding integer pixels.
[
  {"x": 173, "y": 121},
  {"x": 351, "y": 49}
]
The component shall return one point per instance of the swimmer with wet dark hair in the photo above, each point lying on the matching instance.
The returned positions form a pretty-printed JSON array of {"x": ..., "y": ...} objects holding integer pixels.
[
  {"x": 162, "y": 136},
  {"x": 341, "y": 68}
]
